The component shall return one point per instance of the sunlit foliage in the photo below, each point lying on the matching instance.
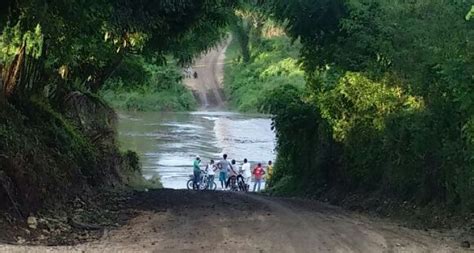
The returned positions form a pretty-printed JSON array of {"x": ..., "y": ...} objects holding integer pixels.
[
  {"x": 273, "y": 64},
  {"x": 140, "y": 85},
  {"x": 389, "y": 104}
]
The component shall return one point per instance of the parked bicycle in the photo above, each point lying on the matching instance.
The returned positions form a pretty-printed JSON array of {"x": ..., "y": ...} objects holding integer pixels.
[
  {"x": 237, "y": 183},
  {"x": 203, "y": 184}
]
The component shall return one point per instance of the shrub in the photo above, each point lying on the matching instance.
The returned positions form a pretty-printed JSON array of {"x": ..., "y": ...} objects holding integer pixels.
[{"x": 141, "y": 86}]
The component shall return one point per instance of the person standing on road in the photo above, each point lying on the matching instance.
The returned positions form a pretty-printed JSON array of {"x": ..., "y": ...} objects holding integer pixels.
[
  {"x": 258, "y": 173},
  {"x": 211, "y": 172},
  {"x": 234, "y": 168},
  {"x": 246, "y": 172},
  {"x": 269, "y": 173},
  {"x": 196, "y": 172},
  {"x": 224, "y": 166}
]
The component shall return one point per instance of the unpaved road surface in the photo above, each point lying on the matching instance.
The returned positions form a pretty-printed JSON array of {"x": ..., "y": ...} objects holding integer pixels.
[
  {"x": 188, "y": 221},
  {"x": 208, "y": 87}
]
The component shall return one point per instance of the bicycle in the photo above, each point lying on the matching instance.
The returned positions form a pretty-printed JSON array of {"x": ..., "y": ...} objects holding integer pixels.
[
  {"x": 237, "y": 183},
  {"x": 241, "y": 184},
  {"x": 203, "y": 183}
]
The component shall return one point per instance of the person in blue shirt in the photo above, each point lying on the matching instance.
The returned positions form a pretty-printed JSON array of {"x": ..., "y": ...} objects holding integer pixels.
[{"x": 224, "y": 166}]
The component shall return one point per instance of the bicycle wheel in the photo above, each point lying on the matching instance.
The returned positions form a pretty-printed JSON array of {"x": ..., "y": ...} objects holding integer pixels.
[
  {"x": 203, "y": 185},
  {"x": 235, "y": 186},
  {"x": 242, "y": 186},
  {"x": 189, "y": 184},
  {"x": 213, "y": 186}
]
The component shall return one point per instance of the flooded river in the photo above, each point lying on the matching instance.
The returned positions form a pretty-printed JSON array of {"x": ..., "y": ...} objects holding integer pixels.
[{"x": 168, "y": 142}]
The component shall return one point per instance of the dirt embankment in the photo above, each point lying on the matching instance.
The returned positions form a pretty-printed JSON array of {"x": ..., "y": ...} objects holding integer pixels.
[{"x": 189, "y": 221}]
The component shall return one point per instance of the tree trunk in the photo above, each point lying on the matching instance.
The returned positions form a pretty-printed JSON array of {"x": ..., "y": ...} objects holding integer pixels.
[
  {"x": 2, "y": 87},
  {"x": 241, "y": 31},
  {"x": 11, "y": 74}
]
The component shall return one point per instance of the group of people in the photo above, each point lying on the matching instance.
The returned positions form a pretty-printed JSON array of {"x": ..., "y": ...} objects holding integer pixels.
[{"x": 230, "y": 169}]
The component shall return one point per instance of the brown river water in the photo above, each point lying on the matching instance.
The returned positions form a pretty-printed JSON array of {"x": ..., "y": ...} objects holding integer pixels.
[{"x": 168, "y": 142}]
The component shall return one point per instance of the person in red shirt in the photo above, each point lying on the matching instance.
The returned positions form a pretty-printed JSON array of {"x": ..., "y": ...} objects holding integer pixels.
[{"x": 258, "y": 173}]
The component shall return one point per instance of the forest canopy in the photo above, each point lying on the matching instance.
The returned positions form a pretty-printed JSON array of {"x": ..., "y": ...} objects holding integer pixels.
[{"x": 81, "y": 43}]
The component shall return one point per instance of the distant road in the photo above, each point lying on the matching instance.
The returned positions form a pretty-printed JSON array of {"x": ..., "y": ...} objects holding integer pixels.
[{"x": 208, "y": 86}]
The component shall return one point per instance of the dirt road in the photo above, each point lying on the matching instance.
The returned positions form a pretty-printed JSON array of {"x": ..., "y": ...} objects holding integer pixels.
[
  {"x": 188, "y": 221},
  {"x": 207, "y": 87}
]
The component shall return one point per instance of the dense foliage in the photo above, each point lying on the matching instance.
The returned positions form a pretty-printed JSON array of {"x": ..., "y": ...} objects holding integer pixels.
[
  {"x": 273, "y": 62},
  {"x": 390, "y": 100},
  {"x": 140, "y": 85},
  {"x": 57, "y": 135},
  {"x": 388, "y": 106},
  {"x": 83, "y": 42}
]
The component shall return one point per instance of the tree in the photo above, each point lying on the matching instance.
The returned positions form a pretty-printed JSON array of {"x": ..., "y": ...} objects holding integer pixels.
[
  {"x": 87, "y": 40},
  {"x": 392, "y": 82}
]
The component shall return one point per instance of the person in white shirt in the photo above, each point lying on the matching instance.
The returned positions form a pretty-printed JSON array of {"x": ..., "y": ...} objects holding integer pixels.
[
  {"x": 246, "y": 173},
  {"x": 235, "y": 168},
  {"x": 211, "y": 172}
]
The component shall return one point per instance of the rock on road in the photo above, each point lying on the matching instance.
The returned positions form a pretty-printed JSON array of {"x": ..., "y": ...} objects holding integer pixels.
[{"x": 190, "y": 221}]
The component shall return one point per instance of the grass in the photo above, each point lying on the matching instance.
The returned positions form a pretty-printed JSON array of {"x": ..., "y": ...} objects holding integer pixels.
[{"x": 166, "y": 100}]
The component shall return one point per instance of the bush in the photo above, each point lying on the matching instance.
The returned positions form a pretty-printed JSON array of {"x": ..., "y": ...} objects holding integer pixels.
[
  {"x": 359, "y": 134},
  {"x": 132, "y": 175},
  {"x": 389, "y": 100},
  {"x": 273, "y": 65},
  {"x": 141, "y": 86},
  {"x": 43, "y": 156}
]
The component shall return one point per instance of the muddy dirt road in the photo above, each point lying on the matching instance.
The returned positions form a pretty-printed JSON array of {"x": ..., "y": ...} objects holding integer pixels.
[
  {"x": 187, "y": 221},
  {"x": 207, "y": 87}
]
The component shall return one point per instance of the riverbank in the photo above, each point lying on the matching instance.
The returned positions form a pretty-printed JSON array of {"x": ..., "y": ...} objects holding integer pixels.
[
  {"x": 140, "y": 85},
  {"x": 52, "y": 155}
]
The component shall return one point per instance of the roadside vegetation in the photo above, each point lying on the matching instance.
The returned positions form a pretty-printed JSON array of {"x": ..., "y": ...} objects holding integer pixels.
[
  {"x": 62, "y": 65},
  {"x": 388, "y": 106},
  {"x": 272, "y": 63},
  {"x": 372, "y": 101},
  {"x": 385, "y": 114},
  {"x": 139, "y": 85}
]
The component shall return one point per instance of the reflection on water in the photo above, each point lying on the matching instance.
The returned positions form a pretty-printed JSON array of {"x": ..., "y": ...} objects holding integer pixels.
[{"x": 168, "y": 142}]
